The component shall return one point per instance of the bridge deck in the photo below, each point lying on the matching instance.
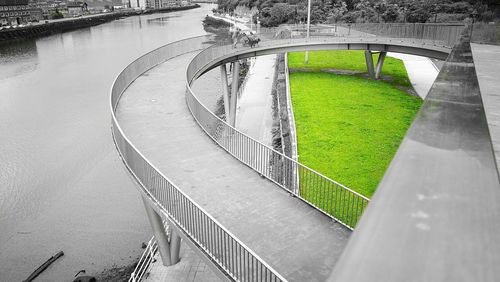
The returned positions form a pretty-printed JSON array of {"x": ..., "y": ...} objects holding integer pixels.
[
  {"x": 299, "y": 242},
  {"x": 487, "y": 63}
]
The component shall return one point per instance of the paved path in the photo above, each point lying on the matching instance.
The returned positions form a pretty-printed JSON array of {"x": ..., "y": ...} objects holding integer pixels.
[
  {"x": 254, "y": 115},
  {"x": 487, "y": 62},
  {"x": 421, "y": 71},
  {"x": 191, "y": 268},
  {"x": 299, "y": 242}
]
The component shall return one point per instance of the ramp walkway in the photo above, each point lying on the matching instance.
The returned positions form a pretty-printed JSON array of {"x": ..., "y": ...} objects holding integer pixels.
[
  {"x": 253, "y": 214},
  {"x": 301, "y": 243}
]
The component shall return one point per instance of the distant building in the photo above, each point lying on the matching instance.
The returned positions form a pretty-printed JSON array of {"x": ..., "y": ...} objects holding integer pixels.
[
  {"x": 170, "y": 3},
  {"x": 155, "y": 4},
  {"x": 76, "y": 9},
  {"x": 119, "y": 7},
  {"x": 138, "y": 4},
  {"x": 15, "y": 12},
  {"x": 47, "y": 8}
]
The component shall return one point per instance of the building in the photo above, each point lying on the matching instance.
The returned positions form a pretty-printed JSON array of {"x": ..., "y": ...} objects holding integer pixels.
[
  {"x": 138, "y": 4},
  {"x": 47, "y": 8},
  {"x": 15, "y": 12},
  {"x": 170, "y": 3},
  {"x": 157, "y": 4},
  {"x": 76, "y": 9}
]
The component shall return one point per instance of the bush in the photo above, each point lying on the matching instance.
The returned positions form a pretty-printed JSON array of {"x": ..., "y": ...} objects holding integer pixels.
[{"x": 57, "y": 15}]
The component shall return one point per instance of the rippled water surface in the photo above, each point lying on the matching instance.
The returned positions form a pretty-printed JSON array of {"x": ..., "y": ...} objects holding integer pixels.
[{"x": 62, "y": 185}]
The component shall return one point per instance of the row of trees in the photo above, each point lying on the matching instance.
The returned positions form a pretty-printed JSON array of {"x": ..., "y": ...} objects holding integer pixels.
[{"x": 275, "y": 12}]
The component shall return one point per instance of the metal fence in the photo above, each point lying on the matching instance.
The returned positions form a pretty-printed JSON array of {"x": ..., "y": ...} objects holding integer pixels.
[
  {"x": 486, "y": 33},
  {"x": 144, "y": 263},
  {"x": 443, "y": 35},
  {"x": 437, "y": 34},
  {"x": 229, "y": 254},
  {"x": 325, "y": 194}
]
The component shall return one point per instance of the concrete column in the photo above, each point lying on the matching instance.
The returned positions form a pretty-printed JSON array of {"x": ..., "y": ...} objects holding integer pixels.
[
  {"x": 175, "y": 246},
  {"x": 369, "y": 63},
  {"x": 234, "y": 92},
  {"x": 225, "y": 91},
  {"x": 159, "y": 233},
  {"x": 380, "y": 63}
]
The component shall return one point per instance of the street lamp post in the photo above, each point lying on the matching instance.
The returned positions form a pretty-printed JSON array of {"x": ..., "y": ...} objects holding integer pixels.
[{"x": 308, "y": 27}]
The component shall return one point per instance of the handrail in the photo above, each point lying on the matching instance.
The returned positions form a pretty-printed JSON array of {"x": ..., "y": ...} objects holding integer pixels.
[
  {"x": 144, "y": 262},
  {"x": 289, "y": 106},
  {"x": 228, "y": 253},
  {"x": 330, "y": 197}
]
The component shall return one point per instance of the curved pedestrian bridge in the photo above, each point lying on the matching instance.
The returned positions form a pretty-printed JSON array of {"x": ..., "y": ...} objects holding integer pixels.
[{"x": 242, "y": 206}]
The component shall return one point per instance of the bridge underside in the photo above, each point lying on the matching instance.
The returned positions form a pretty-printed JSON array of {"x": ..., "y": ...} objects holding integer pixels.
[{"x": 440, "y": 53}]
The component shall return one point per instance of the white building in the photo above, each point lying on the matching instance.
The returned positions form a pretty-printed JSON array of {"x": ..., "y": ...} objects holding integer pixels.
[{"x": 138, "y": 4}]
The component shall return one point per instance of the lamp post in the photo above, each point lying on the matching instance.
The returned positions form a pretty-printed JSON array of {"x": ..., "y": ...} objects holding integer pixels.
[
  {"x": 308, "y": 27},
  {"x": 473, "y": 16}
]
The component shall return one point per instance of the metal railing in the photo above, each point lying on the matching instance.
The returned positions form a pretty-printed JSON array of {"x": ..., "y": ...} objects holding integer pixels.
[
  {"x": 332, "y": 198},
  {"x": 289, "y": 107},
  {"x": 443, "y": 35},
  {"x": 439, "y": 34},
  {"x": 144, "y": 263},
  {"x": 485, "y": 33},
  {"x": 230, "y": 255}
]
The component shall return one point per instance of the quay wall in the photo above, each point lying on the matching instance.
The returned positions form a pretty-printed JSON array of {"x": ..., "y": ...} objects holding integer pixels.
[{"x": 39, "y": 30}]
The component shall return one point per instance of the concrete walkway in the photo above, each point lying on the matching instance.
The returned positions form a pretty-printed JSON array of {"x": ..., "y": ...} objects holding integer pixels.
[
  {"x": 421, "y": 71},
  {"x": 487, "y": 62},
  {"x": 254, "y": 115},
  {"x": 301, "y": 243},
  {"x": 191, "y": 268}
]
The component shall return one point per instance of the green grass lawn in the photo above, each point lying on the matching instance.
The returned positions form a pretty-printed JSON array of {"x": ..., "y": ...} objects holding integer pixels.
[
  {"x": 349, "y": 127},
  {"x": 349, "y": 60}
]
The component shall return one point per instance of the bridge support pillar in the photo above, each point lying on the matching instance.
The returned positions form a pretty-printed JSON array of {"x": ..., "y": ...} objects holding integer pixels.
[
  {"x": 380, "y": 63},
  {"x": 369, "y": 63},
  {"x": 160, "y": 234},
  {"x": 175, "y": 246},
  {"x": 225, "y": 91},
  {"x": 234, "y": 92}
]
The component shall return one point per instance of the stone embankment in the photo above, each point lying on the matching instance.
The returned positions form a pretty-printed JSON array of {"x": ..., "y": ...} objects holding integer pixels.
[{"x": 52, "y": 27}]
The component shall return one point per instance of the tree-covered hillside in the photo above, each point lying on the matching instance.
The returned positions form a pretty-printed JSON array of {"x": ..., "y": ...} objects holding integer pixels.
[{"x": 275, "y": 12}]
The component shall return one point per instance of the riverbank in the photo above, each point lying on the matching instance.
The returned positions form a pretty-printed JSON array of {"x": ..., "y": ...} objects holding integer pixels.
[{"x": 63, "y": 25}]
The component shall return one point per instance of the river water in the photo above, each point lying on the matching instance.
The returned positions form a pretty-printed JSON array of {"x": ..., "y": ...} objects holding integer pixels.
[{"x": 62, "y": 184}]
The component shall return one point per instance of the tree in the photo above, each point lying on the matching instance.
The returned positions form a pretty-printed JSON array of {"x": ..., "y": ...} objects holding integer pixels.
[
  {"x": 278, "y": 14},
  {"x": 338, "y": 11},
  {"x": 350, "y": 17},
  {"x": 366, "y": 12},
  {"x": 417, "y": 12},
  {"x": 57, "y": 14},
  {"x": 317, "y": 13},
  {"x": 391, "y": 13},
  {"x": 380, "y": 8}
]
